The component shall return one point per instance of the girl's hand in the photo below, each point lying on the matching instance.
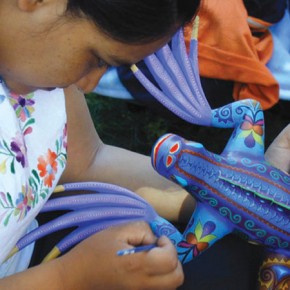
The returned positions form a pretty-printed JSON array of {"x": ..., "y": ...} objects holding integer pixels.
[{"x": 94, "y": 264}]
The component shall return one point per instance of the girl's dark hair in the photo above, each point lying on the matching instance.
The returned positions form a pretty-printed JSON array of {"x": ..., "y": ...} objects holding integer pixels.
[{"x": 133, "y": 21}]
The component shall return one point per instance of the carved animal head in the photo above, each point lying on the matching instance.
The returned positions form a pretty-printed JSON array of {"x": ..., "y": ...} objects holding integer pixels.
[{"x": 240, "y": 190}]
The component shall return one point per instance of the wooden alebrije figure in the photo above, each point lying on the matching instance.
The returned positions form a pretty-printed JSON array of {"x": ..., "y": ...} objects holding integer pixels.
[{"x": 236, "y": 191}]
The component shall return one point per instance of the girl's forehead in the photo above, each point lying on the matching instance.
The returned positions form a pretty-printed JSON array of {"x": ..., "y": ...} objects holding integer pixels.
[{"x": 118, "y": 53}]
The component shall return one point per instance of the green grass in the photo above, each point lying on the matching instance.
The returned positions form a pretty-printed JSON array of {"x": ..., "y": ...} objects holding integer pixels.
[
  {"x": 135, "y": 127},
  {"x": 125, "y": 124}
]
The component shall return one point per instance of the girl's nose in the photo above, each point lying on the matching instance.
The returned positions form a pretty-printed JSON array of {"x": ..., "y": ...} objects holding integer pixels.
[{"x": 88, "y": 82}]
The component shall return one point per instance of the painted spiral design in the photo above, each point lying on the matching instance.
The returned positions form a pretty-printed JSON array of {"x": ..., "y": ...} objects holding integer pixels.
[
  {"x": 204, "y": 195},
  {"x": 226, "y": 212},
  {"x": 217, "y": 157},
  {"x": 241, "y": 109},
  {"x": 267, "y": 277},
  {"x": 165, "y": 229},
  {"x": 231, "y": 160},
  {"x": 224, "y": 115},
  {"x": 275, "y": 241},
  {"x": 261, "y": 168},
  {"x": 251, "y": 226},
  {"x": 276, "y": 175}
]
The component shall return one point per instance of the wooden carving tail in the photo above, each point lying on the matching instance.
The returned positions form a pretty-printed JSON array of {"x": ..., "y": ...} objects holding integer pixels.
[{"x": 274, "y": 273}]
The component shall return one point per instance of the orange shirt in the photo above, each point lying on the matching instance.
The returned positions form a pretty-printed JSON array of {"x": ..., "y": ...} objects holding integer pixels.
[{"x": 227, "y": 50}]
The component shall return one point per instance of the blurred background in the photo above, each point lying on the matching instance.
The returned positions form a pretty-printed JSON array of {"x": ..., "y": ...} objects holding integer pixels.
[{"x": 132, "y": 125}]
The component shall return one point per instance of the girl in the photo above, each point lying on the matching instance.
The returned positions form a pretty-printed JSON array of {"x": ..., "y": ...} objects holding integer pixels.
[{"x": 51, "y": 52}]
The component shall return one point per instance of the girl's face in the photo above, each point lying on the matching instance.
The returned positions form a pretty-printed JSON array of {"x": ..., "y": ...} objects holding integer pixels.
[{"x": 42, "y": 51}]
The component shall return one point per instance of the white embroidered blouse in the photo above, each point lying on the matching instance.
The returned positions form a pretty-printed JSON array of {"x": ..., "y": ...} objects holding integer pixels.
[{"x": 33, "y": 140}]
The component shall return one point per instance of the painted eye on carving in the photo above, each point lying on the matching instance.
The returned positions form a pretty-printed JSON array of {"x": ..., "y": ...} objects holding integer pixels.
[
  {"x": 169, "y": 161},
  {"x": 174, "y": 148}
]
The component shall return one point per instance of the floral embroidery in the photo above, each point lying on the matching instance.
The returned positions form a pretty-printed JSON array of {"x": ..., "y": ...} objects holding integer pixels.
[
  {"x": 21, "y": 206},
  {"x": 24, "y": 202},
  {"x": 62, "y": 143},
  {"x": 23, "y": 106},
  {"x": 16, "y": 151},
  {"x": 39, "y": 183},
  {"x": 18, "y": 147},
  {"x": 42, "y": 176},
  {"x": 47, "y": 165}
]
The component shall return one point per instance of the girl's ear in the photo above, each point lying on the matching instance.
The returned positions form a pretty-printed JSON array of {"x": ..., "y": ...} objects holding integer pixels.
[{"x": 29, "y": 5}]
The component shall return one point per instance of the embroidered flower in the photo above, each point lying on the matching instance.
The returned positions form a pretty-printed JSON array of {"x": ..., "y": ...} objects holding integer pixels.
[
  {"x": 24, "y": 202},
  {"x": 18, "y": 147},
  {"x": 252, "y": 131},
  {"x": 47, "y": 165},
  {"x": 22, "y": 105}
]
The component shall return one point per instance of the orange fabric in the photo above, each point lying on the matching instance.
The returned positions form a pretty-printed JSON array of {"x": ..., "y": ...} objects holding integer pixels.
[{"x": 227, "y": 50}]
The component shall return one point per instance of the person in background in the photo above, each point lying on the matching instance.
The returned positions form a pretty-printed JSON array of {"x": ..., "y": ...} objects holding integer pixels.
[{"x": 233, "y": 53}]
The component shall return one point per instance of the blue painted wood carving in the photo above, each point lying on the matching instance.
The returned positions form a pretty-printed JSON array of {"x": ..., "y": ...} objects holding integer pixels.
[{"x": 236, "y": 191}]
